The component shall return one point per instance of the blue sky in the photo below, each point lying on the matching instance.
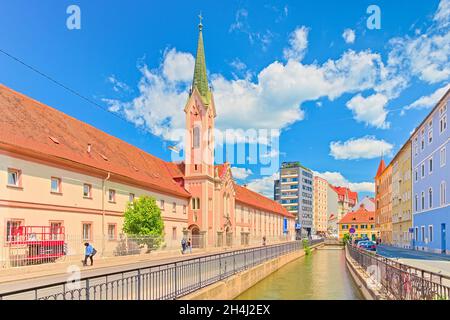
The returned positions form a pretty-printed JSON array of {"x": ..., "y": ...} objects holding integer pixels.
[{"x": 339, "y": 101}]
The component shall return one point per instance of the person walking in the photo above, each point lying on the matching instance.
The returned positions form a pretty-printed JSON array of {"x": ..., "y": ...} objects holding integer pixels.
[
  {"x": 89, "y": 253},
  {"x": 183, "y": 245},
  {"x": 189, "y": 245},
  {"x": 264, "y": 240}
]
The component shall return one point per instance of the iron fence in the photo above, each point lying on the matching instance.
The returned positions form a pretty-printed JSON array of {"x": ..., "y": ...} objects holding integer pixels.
[
  {"x": 18, "y": 252},
  {"x": 398, "y": 281},
  {"x": 161, "y": 282}
]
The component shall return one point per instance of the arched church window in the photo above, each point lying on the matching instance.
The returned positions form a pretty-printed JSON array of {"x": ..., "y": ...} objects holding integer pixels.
[{"x": 196, "y": 137}]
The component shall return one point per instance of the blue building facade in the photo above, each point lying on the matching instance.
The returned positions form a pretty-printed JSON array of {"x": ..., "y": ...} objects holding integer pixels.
[{"x": 431, "y": 180}]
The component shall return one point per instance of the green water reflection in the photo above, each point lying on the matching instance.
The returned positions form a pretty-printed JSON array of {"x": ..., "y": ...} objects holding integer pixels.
[{"x": 321, "y": 275}]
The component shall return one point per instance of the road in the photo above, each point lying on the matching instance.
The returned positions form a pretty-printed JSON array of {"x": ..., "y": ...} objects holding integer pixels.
[{"x": 433, "y": 262}]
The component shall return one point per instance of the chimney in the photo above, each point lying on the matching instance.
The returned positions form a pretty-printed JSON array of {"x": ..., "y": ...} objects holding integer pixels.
[{"x": 89, "y": 148}]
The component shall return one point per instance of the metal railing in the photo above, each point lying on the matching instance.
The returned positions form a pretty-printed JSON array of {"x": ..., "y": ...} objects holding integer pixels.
[
  {"x": 398, "y": 281},
  {"x": 160, "y": 282},
  {"x": 70, "y": 247}
]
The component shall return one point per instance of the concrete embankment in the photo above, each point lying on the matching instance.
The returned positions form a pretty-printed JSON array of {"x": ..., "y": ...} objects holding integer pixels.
[
  {"x": 368, "y": 288},
  {"x": 233, "y": 286}
]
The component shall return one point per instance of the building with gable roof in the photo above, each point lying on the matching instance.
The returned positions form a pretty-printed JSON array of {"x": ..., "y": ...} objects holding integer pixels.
[{"x": 57, "y": 171}]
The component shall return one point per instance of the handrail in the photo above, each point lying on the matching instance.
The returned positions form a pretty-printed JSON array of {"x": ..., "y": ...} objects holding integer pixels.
[
  {"x": 400, "y": 281},
  {"x": 206, "y": 263}
]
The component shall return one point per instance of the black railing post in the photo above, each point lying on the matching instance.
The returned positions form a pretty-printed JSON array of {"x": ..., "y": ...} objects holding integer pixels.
[
  {"x": 176, "y": 282},
  {"x": 423, "y": 286},
  {"x": 87, "y": 289},
  {"x": 199, "y": 273},
  {"x": 139, "y": 284}
]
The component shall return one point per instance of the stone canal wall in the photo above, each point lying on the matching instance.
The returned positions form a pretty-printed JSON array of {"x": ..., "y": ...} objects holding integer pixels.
[
  {"x": 361, "y": 279},
  {"x": 233, "y": 286}
]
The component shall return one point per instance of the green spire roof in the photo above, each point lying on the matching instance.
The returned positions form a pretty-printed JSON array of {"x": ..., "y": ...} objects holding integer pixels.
[{"x": 200, "y": 78}]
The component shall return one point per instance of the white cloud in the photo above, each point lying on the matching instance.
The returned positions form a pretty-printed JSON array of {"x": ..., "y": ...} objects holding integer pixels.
[
  {"x": 370, "y": 110},
  {"x": 349, "y": 36},
  {"x": 442, "y": 16},
  {"x": 337, "y": 179},
  {"x": 240, "y": 173},
  {"x": 426, "y": 56},
  {"x": 429, "y": 101},
  {"x": 273, "y": 97},
  {"x": 237, "y": 64},
  {"x": 298, "y": 41},
  {"x": 273, "y": 101},
  {"x": 367, "y": 147},
  {"x": 178, "y": 66},
  {"x": 241, "y": 25},
  {"x": 118, "y": 85},
  {"x": 264, "y": 185}
]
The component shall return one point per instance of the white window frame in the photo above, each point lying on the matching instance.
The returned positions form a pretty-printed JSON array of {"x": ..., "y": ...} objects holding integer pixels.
[
  {"x": 422, "y": 229},
  {"x": 430, "y": 233},
  {"x": 89, "y": 194},
  {"x": 18, "y": 178},
  {"x": 430, "y": 136},
  {"x": 442, "y": 193},
  {"x": 131, "y": 197},
  {"x": 89, "y": 238},
  {"x": 443, "y": 124},
  {"x": 114, "y": 235},
  {"x": 422, "y": 201},
  {"x": 443, "y": 156},
  {"x": 161, "y": 204},
  {"x": 430, "y": 197},
  {"x": 58, "y": 185},
  {"x": 111, "y": 195},
  {"x": 430, "y": 165},
  {"x": 422, "y": 170}
]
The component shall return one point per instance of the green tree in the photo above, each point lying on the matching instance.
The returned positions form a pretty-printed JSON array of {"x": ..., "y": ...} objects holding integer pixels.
[
  {"x": 143, "y": 221},
  {"x": 346, "y": 238}
]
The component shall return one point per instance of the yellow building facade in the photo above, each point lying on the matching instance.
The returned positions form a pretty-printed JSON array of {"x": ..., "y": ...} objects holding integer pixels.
[
  {"x": 361, "y": 221},
  {"x": 401, "y": 197}
]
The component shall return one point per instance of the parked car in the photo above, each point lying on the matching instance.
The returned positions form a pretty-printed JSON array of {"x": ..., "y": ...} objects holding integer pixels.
[
  {"x": 368, "y": 245},
  {"x": 357, "y": 241}
]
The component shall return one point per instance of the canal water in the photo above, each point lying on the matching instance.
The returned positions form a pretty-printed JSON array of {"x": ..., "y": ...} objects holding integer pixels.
[{"x": 321, "y": 275}]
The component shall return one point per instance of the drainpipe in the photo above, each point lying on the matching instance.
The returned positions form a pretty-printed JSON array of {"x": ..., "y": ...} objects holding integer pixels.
[{"x": 103, "y": 211}]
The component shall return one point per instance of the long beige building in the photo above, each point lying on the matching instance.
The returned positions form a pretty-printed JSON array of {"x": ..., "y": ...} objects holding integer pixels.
[
  {"x": 60, "y": 177},
  {"x": 320, "y": 207}
]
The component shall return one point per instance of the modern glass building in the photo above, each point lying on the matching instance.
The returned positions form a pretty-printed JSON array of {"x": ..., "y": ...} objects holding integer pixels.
[{"x": 294, "y": 191}]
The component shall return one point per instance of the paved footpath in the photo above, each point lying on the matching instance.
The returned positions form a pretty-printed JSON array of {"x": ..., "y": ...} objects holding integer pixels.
[
  {"x": 47, "y": 274},
  {"x": 433, "y": 262}
]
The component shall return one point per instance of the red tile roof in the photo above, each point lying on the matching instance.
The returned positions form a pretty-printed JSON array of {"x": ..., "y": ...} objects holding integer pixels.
[
  {"x": 359, "y": 216},
  {"x": 254, "y": 199},
  {"x": 33, "y": 126},
  {"x": 381, "y": 168},
  {"x": 222, "y": 169},
  {"x": 344, "y": 190}
]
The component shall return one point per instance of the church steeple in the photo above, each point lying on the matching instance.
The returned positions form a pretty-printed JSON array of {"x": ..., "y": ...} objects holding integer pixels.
[{"x": 200, "y": 80}]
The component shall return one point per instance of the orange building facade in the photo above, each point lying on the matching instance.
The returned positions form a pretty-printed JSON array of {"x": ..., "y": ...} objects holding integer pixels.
[{"x": 383, "y": 202}]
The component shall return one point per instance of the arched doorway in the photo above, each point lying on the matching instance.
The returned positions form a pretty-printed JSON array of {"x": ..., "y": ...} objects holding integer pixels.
[
  {"x": 195, "y": 236},
  {"x": 229, "y": 237}
]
